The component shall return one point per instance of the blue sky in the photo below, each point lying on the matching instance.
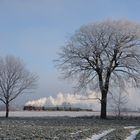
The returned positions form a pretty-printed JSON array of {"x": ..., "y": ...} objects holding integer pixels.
[{"x": 34, "y": 30}]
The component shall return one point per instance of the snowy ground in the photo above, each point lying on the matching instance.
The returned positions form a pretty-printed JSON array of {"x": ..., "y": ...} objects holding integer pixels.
[
  {"x": 56, "y": 126},
  {"x": 49, "y": 113},
  {"x": 133, "y": 134},
  {"x": 58, "y": 113},
  {"x": 101, "y": 135}
]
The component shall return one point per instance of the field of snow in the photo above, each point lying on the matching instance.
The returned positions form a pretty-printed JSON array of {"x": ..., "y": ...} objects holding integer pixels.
[
  {"x": 53, "y": 125},
  {"x": 49, "y": 113},
  {"x": 58, "y": 113},
  {"x": 69, "y": 128}
]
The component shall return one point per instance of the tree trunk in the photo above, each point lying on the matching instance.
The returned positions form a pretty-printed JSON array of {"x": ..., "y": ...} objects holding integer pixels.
[
  {"x": 103, "y": 114},
  {"x": 119, "y": 112},
  {"x": 7, "y": 110}
]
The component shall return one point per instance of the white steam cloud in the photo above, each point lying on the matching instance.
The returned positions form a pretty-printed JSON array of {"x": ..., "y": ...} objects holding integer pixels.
[
  {"x": 70, "y": 100},
  {"x": 67, "y": 100}
]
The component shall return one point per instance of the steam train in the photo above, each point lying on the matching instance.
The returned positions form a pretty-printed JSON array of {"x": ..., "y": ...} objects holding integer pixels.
[{"x": 36, "y": 108}]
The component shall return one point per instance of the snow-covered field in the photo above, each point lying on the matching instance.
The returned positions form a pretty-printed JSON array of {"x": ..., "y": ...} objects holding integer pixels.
[
  {"x": 49, "y": 113},
  {"x": 52, "y": 125},
  {"x": 59, "y": 113}
]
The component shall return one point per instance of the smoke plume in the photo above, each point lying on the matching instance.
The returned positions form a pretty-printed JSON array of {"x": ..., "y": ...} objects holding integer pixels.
[{"x": 67, "y": 100}]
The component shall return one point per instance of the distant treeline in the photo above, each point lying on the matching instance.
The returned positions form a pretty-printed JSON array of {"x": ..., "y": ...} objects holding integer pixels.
[{"x": 34, "y": 108}]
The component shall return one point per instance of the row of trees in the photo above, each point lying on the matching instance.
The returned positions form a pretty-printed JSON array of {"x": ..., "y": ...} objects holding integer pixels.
[{"x": 98, "y": 56}]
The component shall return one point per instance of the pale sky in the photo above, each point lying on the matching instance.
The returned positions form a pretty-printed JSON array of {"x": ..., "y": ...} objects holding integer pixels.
[{"x": 34, "y": 30}]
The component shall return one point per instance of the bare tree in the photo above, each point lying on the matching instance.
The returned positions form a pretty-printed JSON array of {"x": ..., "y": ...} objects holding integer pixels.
[
  {"x": 101, "y": 54},
  {"x": 15, "y": 79},
  {"x": 118, "y": 102}
]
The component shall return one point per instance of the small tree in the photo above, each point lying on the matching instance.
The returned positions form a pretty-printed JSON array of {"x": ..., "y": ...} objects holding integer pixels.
[
  {"x": 118, "y": 102},
  {"x": 15, "y": 79},
  {"x": 102, "y": 53}
]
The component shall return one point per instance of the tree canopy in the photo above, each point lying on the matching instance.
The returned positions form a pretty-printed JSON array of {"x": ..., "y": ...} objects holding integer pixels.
[{"x": 101, "y": 54}]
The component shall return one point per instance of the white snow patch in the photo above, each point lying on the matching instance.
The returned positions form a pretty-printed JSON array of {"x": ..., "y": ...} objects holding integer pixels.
[
  {"x": 99, "y": 136},
  {"x": 79, "y": 131},
  {"x": 129, "y": 127},
  {"x": 133, "y": 135},
  {"x": 49, "y": 113},
  {"x": 74, "y": 133}
]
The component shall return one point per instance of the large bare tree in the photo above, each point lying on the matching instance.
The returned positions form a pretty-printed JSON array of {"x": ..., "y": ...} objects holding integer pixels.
[
  {"x": 103, "y": 54},
  {"x": 15, "y": 79}
]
